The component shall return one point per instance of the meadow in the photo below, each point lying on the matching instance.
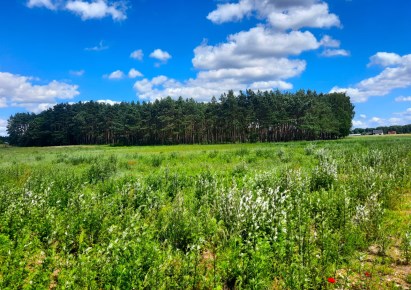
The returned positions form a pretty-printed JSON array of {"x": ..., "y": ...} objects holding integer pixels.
[{"x": 297, "y": 215}]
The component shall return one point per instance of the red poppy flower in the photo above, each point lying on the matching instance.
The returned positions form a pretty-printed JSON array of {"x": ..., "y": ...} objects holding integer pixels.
[
  {"x": 331, "y": 280},
  {"x": 367, "y": 274}
]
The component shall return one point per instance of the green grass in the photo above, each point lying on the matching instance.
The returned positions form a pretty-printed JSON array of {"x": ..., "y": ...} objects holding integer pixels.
[{"x": 231, "y": 216}]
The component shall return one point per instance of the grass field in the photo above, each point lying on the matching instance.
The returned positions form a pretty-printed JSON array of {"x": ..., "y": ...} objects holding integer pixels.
[{"x": 302, "y": 215}]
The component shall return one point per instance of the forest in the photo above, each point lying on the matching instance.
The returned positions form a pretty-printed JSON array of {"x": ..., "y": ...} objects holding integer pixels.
[{"x": 249, "y": 116}]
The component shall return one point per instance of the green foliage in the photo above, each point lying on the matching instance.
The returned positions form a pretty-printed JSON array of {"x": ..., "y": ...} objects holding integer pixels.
[
  {"x": 156, "y": 161},
  {"x": 101, "y": 170}
]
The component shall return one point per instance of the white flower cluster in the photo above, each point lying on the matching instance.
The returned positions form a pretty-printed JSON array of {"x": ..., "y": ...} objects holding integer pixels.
[
  {"x": 252, "y": 211},
  {"x": 368, "y": 211}
]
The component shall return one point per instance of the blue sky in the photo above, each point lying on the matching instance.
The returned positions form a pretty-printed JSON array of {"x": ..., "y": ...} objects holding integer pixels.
[{"x": 54, "y": 51}]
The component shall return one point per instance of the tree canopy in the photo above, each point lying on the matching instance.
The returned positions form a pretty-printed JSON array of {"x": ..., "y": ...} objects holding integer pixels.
[{"x": 246, "y": 117}]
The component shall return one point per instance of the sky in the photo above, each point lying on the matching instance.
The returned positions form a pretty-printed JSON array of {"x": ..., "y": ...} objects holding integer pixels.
[{"x": 55, "y": 51}]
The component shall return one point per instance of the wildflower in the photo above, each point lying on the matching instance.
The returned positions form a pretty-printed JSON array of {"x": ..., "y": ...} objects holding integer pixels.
[
  {"x": 331, "y": 280},
  {"x": 367, "y": 274}
]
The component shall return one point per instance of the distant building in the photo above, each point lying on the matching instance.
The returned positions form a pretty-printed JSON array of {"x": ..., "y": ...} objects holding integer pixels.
[
  {"x": 392, "y": 132},
  {"x": 377, "y": 132}
]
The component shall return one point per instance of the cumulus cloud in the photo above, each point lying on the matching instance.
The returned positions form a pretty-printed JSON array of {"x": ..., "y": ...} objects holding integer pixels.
[
  {"x": 41, "y": 3},
  {"x": 231, "y": 12},
  {"x": 280, "y": 14},
  {"x": 331, "y": 46},
  {"x": 403, "y": 99},
  {"x": 133, "y": 73},
  {"x": 137, "y": 54},
  {"x": 98, "y": 47},
  {"x": 385, "y": 59},
  {"x": 358, "y": 124},
  {"x": 328, "y": 41},
  {"x": 95, "y": 9},
  {"x": 252, "y": 48},
  {"x": 3, "y": 102},
  {"x": 396, "y": 74},
  {"x": 316, "y": 15},
  {"x": 3, "y": 127},
  {"x": 115, "y": 75},
  {"x": 335, "y": 52},
  {"x": 20, "y": 91},
  {"x": 161, "y": 55}
]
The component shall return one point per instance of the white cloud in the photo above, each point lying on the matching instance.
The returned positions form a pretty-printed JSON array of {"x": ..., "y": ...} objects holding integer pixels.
[
  {"x": 161, "y": 55},
  {"x": 363, "y": 116},
  {"x": 377, "y": 120},
  {"x": 403, "y": 99},
  {"x": 332, "y": 47},
  {"x": 19, "y": 91},
  {"x": 37, "y": 108},
  {"x": 385, "y": 59},
  {"x": 316, "y": 15},
  {"x": 328, "y": 41},
  {"x": 335, "y": 52},
  {"x": 115, "y": 75},
  {"x": 98, "y": 47},
  {"x": 358, "y": 124},
  {"x": 392, "y": 77},
  {"x": 230, "y": 12},
  {"x": 108, "y": 102},
  {"x": 86, "y": 9},
  {"x": 137, "y": 54},
  {"x": 252, "y": 47},
  {"x": 280, "y": 14},
  {"x": 269, "y": 85},
  {"x": 41, "y": 3},
  {"x": 3, "y": 127},
  {"x": 133, "y": 73},
  {"x": 97, "y": 9},
  {"x": 273, "y": 68},
  {"x": 77, "y": 73},
  {"x": 3, "y": 102}
]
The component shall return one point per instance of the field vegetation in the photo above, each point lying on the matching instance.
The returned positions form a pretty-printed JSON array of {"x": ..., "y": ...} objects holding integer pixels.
[{"x": 301, "y": 215}]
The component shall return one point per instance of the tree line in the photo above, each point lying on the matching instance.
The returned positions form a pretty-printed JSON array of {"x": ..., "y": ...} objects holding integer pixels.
[
  {"x": 405, "y": 129},
  {"x": 249, "y": 116}
]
